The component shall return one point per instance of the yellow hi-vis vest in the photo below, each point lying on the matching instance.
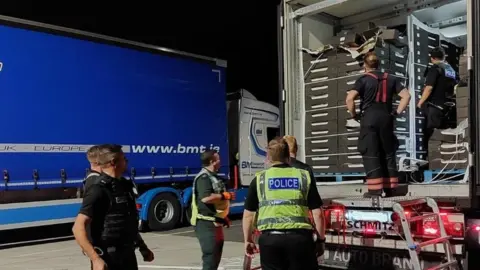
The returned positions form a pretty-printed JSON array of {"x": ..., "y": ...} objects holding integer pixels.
[
  {"x": 282, "y": 195},
  {"x": 222, "y": 207}
]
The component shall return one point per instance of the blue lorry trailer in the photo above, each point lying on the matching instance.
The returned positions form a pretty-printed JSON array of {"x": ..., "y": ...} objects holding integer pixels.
[{"x": 64, "y": 90}]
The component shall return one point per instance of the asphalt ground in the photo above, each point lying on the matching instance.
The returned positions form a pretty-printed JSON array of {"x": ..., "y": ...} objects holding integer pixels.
[{"x": 175, "y": 249}]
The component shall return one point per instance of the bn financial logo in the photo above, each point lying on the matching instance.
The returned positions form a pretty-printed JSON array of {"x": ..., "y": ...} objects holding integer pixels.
[
  {"x": 253, "y": 165},
  {"x": 283, "y": 183}
]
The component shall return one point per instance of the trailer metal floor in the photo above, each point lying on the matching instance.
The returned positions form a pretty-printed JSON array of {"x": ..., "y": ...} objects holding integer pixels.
[
  {"x": 335, "y": 190},
  {"x": 178, "y": 249}
]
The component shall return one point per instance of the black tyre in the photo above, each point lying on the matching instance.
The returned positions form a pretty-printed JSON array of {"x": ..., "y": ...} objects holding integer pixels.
[{"x": 164, "y": 212}]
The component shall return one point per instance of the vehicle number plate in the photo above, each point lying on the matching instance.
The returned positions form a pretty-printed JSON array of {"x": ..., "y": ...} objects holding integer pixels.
[
  {"x": 379, "y": 221},
  {"x": 373, "y": 259}
]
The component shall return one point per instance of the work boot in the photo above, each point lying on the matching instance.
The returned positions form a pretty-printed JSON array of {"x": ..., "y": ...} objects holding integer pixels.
[
  {"x": 389, "y": 192},
  {"x": 373, "y": 193}
]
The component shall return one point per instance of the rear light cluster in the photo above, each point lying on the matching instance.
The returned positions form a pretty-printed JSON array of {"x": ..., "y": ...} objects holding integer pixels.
[
  {"x": 335, "y": 219},
  {"x": 453, "y": 223}
]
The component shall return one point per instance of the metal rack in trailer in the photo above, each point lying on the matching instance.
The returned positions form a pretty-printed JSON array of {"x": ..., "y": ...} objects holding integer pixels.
[{"x": 435, "y": 224}]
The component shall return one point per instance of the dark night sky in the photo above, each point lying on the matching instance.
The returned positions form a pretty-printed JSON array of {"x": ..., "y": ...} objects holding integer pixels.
[{"x": 241, "y": 33}]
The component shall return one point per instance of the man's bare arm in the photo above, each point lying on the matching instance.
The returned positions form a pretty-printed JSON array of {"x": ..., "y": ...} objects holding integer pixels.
[
  {"x": 350, "y": 101},
  {"x": 247, "y": 225},
  {"x": 319, "y": 219},
  {"x": 427, "y": 91},
  {"x": 404, "y": 100},
  {"x": 80, "y": 233}
]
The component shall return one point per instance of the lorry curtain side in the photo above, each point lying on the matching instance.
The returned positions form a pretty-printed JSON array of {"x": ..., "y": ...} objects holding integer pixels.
[{"x": 61, "y": 95}]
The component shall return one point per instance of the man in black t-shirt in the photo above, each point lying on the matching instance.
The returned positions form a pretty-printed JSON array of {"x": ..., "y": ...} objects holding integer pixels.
[
  {"x": 109, "y": 209},
  {"x": 377, "y": 142},
  {"x": 440, "y": 79}
]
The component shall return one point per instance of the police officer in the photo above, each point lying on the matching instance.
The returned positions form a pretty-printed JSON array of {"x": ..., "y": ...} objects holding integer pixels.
[
  {"x": 95, "y": 170},
  {"x": 294, "y": 162},
  {"x": 109, "y": 208},
  {"x": 210, "y": 206},
  {"x": 282, "y": 196},
  {"x": 440, "y": 79},
  {"x": 377, "y": 142}
]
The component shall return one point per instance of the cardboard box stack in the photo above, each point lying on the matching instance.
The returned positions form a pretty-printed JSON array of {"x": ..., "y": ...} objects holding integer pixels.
[{"x": 330, "y": 147}]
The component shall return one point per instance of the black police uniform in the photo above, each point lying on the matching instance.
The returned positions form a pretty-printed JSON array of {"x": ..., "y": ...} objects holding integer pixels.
[
  {"x": 91, "y": 179},
  {"x": 300, "y": 165},
  {"x": 377, "y": 142},
  {"x": 295, "y": 249},
  {"x": 110, "y": 204},
  {"x": 442, "y": 78}
]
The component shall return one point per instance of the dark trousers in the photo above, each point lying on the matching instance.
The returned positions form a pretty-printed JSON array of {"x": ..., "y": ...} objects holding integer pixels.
[
  {"x": 293, "y": 251},
  {"x": 211, "y": 242},
  {"x": 434, "y": 119},
  {"x": 377, "y": 144},
  {"x": 120, "y": 259}
]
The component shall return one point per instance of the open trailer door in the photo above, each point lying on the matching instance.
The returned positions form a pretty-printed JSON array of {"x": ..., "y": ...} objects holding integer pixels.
[{"x": 309, "y": 25}]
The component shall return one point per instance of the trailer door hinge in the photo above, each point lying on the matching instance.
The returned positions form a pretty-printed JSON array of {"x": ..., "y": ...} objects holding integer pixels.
[
  {"x": 281, "y": 22},
  {"x": 284, "y": 94}
]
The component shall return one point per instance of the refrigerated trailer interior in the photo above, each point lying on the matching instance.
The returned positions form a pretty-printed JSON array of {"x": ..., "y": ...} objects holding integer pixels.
[
  {"x": 306, "y": 28},
  {"x": 310, "y": 25}
]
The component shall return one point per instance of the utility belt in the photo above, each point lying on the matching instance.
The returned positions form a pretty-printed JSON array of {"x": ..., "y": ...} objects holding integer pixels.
[
  {"x": 375, "y": 107},
  {"x": 441, "y": 108},
  {"x": 288, "y": 232},
  {"x": 221, "y": 221},
  {"x": 103, "y": 249}
]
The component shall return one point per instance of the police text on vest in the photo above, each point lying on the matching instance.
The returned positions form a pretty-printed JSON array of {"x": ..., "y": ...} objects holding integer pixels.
[{"x": 283, "y": 183}]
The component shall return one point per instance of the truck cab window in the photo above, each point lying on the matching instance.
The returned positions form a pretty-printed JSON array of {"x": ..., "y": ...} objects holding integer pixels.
[{"x": 272, "y": 133}]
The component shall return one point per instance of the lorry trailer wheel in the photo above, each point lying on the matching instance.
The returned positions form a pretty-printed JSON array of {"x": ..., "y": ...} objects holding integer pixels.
[{"x": 164, "y": 212}]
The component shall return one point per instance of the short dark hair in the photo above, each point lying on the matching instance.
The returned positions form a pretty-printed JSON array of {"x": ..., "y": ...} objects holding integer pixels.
[
  {"x": 207, "y": 157},
  {"x": 109, "y": 153},
  {"x": 278, "y": 150},
  {"x": 437, "y": 53},
  {"x": 371, "y": 60},
  {"x": 92, "y": 154}
]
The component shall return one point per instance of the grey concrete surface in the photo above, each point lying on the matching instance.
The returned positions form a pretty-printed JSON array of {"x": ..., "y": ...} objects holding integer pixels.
[{"x": 177, "y": 249}]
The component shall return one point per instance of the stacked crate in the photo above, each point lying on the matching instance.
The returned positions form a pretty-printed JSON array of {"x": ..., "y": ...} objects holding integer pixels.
[
  {"x": 462, "y": 68},
  {"x": 442, "y": 149},
  {"x": 330, "y": 147},
  {"x": 446, "y": 152},
  {"x": 452, "y": 56}
]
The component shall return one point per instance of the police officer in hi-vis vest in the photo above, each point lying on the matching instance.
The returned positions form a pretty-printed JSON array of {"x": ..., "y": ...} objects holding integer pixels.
[
  {"x": 282, "y": 197},
  {"x": 210, "y": 206}
]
